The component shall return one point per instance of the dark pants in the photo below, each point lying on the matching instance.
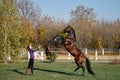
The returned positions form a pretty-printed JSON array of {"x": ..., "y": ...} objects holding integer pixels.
[{"x": 30, "y": 65}]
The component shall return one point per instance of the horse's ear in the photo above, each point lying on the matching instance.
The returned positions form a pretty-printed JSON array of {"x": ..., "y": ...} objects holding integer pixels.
[{"x": 68, "y": 27}]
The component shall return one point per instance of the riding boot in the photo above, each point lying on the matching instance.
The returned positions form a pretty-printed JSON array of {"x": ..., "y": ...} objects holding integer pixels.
[{"x": 26, "y": 71}]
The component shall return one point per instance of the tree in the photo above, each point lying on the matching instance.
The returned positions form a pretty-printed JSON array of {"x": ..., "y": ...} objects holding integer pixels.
[
  {"x": 116, "y": 35},
  {"x": 9, "y": 24},
  {"x": 41, "y": 34},
  {"x": 27, "y": 32},
  {"x": 51, "y": 27},
  {"x": 29, "y": 11},
  {"x": 83, "y": 20},
  {"x": 82, "y": 16}
]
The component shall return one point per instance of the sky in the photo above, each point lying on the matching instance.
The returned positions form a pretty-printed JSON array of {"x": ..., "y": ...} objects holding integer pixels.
[{"x": 104, "y": 9}]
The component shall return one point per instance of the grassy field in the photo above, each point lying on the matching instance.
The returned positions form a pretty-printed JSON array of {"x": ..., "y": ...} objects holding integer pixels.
[{"x": 58, "y": 71}]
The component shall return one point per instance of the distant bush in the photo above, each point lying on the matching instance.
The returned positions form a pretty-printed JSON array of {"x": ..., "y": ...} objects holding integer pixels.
[{"x": 53, "y": 57}]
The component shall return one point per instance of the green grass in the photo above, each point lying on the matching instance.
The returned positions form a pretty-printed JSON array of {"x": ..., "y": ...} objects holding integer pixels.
[{"x": 58, "y": 71}]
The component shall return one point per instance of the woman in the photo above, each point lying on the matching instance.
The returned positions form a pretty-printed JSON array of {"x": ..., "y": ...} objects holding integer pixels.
[{"x": 31, "y": 60}]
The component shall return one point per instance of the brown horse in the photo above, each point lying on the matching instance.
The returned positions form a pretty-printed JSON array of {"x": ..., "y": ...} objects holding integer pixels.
[
  {"x": 48, "y": 52},
  {"x": 69, "y": 44}
]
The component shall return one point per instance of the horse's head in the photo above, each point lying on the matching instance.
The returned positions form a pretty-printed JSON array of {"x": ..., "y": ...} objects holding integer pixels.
[
  {"x": 70, "y": 32},
  {"x": 67, "y": 32},
  {"x": 61, "y": 36},
  {"x": 67, "y": 29}
]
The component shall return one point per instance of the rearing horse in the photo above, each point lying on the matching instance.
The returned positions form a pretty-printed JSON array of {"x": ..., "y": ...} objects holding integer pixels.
[{"x": 69, "y": 43}]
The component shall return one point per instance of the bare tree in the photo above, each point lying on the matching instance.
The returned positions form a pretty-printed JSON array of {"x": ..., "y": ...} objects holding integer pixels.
[
  {"x": 82, "y": 16},
  {"x": 27, "y": 9}
]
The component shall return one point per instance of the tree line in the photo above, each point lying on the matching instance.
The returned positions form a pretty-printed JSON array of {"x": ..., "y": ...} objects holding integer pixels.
[{"x": 22, "y": 24}]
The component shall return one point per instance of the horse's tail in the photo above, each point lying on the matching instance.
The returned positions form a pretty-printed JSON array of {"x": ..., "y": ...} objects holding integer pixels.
[{"x": 88, "y": 65}]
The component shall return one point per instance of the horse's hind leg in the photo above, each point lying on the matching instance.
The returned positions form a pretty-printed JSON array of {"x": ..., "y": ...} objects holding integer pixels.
[
  {"x": 78, "y": 66},
  {"x": 83, "y": 68}
]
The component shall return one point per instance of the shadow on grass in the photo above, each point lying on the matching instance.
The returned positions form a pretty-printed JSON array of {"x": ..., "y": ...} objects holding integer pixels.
[
  {"x": 59, "y": 72},
  {"x": 15, "y": 70}
]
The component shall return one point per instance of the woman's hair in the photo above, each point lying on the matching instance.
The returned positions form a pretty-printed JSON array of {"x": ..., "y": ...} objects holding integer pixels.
[{"x": 28, "y": 47}]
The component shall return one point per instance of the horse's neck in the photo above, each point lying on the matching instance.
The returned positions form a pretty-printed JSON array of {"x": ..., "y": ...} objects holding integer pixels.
[
  {"x": 69, "y": 46},
  {"x": 72, "y": 39},
  {"x": 68, "y": 41}
]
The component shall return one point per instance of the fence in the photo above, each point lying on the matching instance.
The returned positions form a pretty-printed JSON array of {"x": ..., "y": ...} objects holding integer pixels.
[{"x": 92, "y": 54}]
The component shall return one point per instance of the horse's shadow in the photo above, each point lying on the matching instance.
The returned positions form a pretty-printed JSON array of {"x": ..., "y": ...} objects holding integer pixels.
[
  {"x": 16, "y": 71},
  {"x": 59, "y": 72},
  {"x": 45, "y": 70}
]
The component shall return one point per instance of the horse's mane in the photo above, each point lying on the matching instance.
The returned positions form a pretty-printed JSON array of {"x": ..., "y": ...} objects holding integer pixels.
[{"x": 72, "y": 34}]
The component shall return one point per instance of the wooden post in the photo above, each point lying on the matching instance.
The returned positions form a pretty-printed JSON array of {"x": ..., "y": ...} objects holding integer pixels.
[
  {"x": 68, "y": 56},
  {"x": 86, "y": 51},
  {"x": 96, "y": 55},
  {"x": 42, "y": 55},
  {"x": 103, "y": 51}
]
